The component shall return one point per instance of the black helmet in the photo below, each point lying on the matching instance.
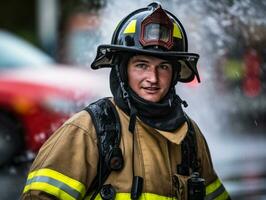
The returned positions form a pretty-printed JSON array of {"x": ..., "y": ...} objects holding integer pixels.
[{"x": 151, "y": 31}]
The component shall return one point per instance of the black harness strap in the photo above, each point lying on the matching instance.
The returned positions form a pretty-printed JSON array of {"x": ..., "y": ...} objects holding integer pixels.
[
  {"x": 189, "y": 150},
  {"x": 107, "y": 124}
]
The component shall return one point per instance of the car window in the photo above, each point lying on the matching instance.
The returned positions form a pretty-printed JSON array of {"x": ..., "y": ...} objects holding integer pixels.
[{"x": 16, "y": 53}]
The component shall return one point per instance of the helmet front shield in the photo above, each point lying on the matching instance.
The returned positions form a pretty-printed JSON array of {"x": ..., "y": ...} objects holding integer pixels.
[{"x": 157, "y": 30}]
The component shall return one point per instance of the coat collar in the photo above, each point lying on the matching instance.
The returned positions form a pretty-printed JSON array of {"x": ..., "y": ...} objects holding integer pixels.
[{"x": 176, "y": 136}]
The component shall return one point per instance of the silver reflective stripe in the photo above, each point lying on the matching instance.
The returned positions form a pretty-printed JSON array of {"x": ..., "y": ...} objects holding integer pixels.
[{"x": 62, "y": 186}]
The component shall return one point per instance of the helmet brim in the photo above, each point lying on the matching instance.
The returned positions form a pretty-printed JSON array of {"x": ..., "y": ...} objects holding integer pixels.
[{"x": 188, "y": 61}]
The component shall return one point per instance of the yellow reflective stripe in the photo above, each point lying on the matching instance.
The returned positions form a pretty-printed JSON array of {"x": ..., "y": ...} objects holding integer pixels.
[
  {"x": 131, "y": 27},
  {"x": 176, "y": 31},
  {"x": 49, "y": 189},
  {"x": 60, "y": 177},
  {"x": 223, "y": 196},
  {"x": 216, "y": 191},
  {"x": 54, "y": 178},
  {"x": 213, "y": 186},
  {"x": 144, "y": 196}
]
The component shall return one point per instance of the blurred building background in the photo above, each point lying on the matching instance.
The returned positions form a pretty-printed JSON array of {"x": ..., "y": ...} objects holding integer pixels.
[{"x": 229, "y": 104}]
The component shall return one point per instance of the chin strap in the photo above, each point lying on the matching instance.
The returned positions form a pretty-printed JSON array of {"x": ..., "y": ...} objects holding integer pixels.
[
  {"x": 133, "y": 111},
  {"x": 183, "y": 102},
  {"x": 132, "y": 121}
]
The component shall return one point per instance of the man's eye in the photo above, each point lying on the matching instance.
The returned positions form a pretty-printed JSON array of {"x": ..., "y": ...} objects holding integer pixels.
[
  {"x": 165, "y": 67},
  {"x": 142, "y": 66}
]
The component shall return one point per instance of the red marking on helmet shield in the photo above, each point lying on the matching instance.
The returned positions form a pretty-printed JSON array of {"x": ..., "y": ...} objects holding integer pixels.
[{"x": 157, "y": 30}]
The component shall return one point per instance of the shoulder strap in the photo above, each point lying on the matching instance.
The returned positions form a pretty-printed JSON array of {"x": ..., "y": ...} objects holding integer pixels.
[
  {"x": 189, "y": 151},
  {"x": 107, "y": 124}
]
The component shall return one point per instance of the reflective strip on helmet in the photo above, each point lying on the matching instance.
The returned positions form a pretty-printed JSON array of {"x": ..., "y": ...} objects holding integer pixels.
[
  {"x": 216, "y": 191},
  {"x": 144, "y": 196},
  {"x": 55, "y": 183},
  {"x": 131, "y": 27},
  {"x": 176, "y": 31}
]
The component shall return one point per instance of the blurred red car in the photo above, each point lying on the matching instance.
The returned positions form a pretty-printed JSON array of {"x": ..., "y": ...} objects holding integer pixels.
[{"x": 36, "y": 95}]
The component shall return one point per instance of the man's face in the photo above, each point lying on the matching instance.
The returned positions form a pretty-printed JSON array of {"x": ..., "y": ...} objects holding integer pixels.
[{"x": 149, "y": 77}]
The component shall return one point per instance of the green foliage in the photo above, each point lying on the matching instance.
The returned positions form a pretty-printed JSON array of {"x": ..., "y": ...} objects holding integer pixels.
[{"x": 234, "y": 69}]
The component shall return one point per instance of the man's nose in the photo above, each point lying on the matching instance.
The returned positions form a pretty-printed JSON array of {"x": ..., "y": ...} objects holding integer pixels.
[{"x": 152, "y": 75}]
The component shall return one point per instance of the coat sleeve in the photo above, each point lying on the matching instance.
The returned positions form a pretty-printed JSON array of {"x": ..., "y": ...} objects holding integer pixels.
[
  {"x": 214, "y": 186},
  {"x": 66, "y": 164}
]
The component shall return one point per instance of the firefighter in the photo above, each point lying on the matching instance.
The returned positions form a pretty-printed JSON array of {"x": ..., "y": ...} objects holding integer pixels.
[{"x": 160, "y": 152}]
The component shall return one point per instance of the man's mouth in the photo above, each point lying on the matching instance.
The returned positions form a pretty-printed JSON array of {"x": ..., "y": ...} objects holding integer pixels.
[{"x": 151, "y": 89}]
